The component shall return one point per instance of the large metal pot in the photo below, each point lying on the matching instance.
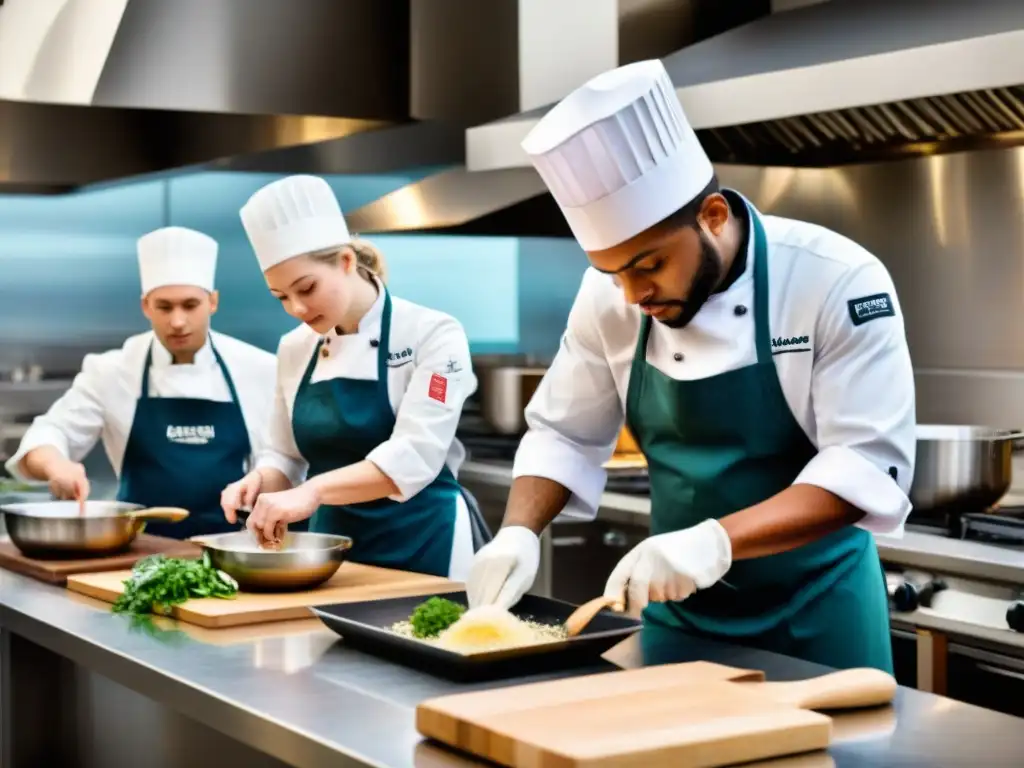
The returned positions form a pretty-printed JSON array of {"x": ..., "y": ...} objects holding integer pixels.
[
  {"x": 54, "y": 529},
  {"x": 504, "y": 394},
  {"x": 305, "y": 560},
  {"x": 961, "y": 468}
]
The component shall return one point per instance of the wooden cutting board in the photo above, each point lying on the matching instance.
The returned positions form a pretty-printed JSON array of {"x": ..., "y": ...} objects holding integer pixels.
[
  {"x": 695, "y": 714},
  {"x": 57, "y": 571},
  {"x": 353, "y": 582}
]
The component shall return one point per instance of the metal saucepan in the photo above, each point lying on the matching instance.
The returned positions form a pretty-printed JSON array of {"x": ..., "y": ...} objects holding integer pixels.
[
  {"x": 505, "y": 393},
  {"x": 65, "y": 529},
  {"x": 304, "y": 560},
  {"x": 961, "y": 468}
]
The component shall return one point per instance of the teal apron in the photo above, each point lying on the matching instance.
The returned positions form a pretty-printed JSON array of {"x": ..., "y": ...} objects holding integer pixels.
[
  {"x": 182, "y": 452},
  {"x": 717, "y": 445},
  {"x": 337, "y": 423}
]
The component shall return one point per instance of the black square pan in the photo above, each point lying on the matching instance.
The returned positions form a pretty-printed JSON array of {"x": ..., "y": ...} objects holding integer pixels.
[{"x": 365, "y": 626}]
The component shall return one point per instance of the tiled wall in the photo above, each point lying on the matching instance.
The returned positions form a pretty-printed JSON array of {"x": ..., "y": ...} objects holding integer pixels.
[{"x": 68, "y": 272}]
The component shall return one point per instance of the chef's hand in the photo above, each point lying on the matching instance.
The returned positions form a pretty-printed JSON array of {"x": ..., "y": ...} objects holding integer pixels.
[
  {"x": 272, "y": 512},
  {"x": 68, "y": 481},
  {"x": 504, "y": 568},
  {"x": 241, "y": 494},
  {"x": 671, "y": 566}
]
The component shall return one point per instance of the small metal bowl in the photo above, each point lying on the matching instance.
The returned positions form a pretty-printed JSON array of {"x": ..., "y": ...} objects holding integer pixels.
[
  {"x": 61, "y": 529},
  {"x": 304, "y": 561}
]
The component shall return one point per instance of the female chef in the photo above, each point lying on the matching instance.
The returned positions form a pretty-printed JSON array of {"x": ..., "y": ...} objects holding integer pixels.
[{"x": 369, "y": 393}]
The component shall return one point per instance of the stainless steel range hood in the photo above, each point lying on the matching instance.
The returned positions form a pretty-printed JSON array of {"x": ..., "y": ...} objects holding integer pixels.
[
  {"x": 837, "y": 82},
  {"x": 101, "y": 90}
]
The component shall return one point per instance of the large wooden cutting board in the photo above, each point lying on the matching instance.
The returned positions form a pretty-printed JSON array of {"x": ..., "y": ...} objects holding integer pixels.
[
  {"x": 352, "y": 582},
  {"x": 696, "y": 714},
  {"x": 57, "y": 571}
]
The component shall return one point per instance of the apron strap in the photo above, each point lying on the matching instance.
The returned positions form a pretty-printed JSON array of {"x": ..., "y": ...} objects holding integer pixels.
[
  {"x": 227, "y": 374},
  {"x": 762, "y": 330},
  {"x": 383, "y": 349},
  {"x": 144, "y": 393}
]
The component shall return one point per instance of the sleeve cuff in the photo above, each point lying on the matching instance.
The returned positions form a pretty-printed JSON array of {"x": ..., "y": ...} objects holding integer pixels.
[
  {"x": 294, "y": 470},
  {"x": 857, "y": 481},
  {"x": 35, "y": 437},
  {"x": 404, "y": 465},
  {"x": 542, "y": 454}
]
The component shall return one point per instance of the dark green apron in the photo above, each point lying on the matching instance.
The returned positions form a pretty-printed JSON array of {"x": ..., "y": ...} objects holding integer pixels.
[
  {"x": 718, "y": 445},
  {"x": 337, "y": 423},
  {"x": 181, "y": 452}
]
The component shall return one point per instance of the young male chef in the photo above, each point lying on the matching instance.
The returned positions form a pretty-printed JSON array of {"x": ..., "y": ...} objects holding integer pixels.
[
  {"x": 180, "y": 409},
  {"x": 760, "y": 364}
]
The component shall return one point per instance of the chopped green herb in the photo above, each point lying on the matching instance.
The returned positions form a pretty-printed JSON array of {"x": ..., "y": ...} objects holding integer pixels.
[
  {"x": 157, "y": 583},
  {"x": 431, "y": 618}
]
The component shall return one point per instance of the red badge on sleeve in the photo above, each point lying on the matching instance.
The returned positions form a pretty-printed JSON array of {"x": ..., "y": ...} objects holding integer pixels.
[{"x": 438, "y": 387}]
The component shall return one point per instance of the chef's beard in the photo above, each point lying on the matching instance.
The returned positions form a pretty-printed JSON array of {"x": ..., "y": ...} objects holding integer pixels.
[{"x": 709, "y": 273}]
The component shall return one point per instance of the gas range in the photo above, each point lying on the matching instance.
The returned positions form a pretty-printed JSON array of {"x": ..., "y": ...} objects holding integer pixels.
[{"x": 1002, "y": 527}]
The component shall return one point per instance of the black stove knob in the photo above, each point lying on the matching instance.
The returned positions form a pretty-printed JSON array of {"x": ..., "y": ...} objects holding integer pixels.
[
  {"x": 1015, "y": 616},
  {"x": 908, "y": 597},
  {"x": 904, "y": 597}
]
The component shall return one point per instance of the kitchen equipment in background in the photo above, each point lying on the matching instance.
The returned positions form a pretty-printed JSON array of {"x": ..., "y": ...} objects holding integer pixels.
[
  {"x": 352, "y": 582},
  {"x": 49, "y": 529},
  {"x": 305, "y": 560},
  {"x": 57, "y": 571},
  {"x": 960, "y": 468},
  {"x": 504, "y": 392},
  {"x": 696, "y": 713},
  {"x": 366, "y": 626}
]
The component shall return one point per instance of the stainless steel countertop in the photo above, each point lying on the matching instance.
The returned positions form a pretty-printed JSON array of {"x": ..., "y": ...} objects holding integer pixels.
[
  {"x": 293, "y": 690},
  {"x": 920, "y": 551}
]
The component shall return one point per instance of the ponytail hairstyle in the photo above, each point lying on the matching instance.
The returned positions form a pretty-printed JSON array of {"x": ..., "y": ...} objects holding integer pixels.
[{"x": 369, "y": 260}]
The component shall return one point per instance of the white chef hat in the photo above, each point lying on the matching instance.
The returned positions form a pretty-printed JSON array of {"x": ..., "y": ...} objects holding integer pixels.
[
  {"x": 176, "y": 256},
  {"x": 292, "y": 216},
  {"x": 618, "y": 154}
]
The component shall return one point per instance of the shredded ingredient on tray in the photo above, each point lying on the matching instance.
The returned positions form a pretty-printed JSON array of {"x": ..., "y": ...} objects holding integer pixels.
[{"x": 487, "y": 628}]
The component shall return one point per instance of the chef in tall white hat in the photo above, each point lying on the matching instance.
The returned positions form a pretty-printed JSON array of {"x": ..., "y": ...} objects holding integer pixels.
[
  {"x": 370, "y": 390},
  {"x": 180, "y": 409},
  {"x": 761, "y": 365}
]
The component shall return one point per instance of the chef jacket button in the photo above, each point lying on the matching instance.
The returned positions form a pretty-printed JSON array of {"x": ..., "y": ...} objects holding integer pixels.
[
  {"x": 739, "y": 310},
  {"x": 678, "y": 357},
  {"x": 374, "y": 343}
]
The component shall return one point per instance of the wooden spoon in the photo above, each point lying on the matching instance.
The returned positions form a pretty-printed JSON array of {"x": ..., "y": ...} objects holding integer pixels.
[{"x": 582, "y": 616}]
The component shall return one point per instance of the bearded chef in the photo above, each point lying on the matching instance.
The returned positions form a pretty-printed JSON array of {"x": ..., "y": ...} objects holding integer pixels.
[
  {"x": 370, "y": 389},
  {"x": 179, "y": 408},
  {"x": 760, "y": 364}
]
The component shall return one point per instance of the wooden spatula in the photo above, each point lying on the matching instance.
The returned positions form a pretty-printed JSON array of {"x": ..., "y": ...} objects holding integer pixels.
[{"x": 583, "y": 615}]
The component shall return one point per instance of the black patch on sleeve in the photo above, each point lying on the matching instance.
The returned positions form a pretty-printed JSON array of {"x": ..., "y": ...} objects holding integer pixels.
[{"x": 871, "y": 308}]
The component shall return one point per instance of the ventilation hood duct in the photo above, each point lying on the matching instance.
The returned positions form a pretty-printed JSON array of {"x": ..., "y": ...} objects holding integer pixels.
[
  {"x": 837, "y": 82},
  {"x": 103, "y": 90}
]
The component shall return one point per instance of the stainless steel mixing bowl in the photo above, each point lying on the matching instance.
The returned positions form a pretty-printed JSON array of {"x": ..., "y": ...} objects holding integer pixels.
[
  {"x": 304, "y": 561},
  {"x": 57, "y": 529}
]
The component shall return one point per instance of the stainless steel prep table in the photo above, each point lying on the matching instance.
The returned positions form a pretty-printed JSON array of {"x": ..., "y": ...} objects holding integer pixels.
[{"x": 80, "y": 684}]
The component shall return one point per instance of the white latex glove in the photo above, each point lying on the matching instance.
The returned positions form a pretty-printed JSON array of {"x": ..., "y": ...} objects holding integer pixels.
[
  {"x": 671, "y": 566},
  {"x": 504, "y": 569}
]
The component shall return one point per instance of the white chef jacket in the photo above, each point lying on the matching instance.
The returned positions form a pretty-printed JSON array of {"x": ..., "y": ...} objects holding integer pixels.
[
  {"x": 101, "y": 401},
  {"x": 849, "y": 386},
  {"x": 424, "y": 342}
]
